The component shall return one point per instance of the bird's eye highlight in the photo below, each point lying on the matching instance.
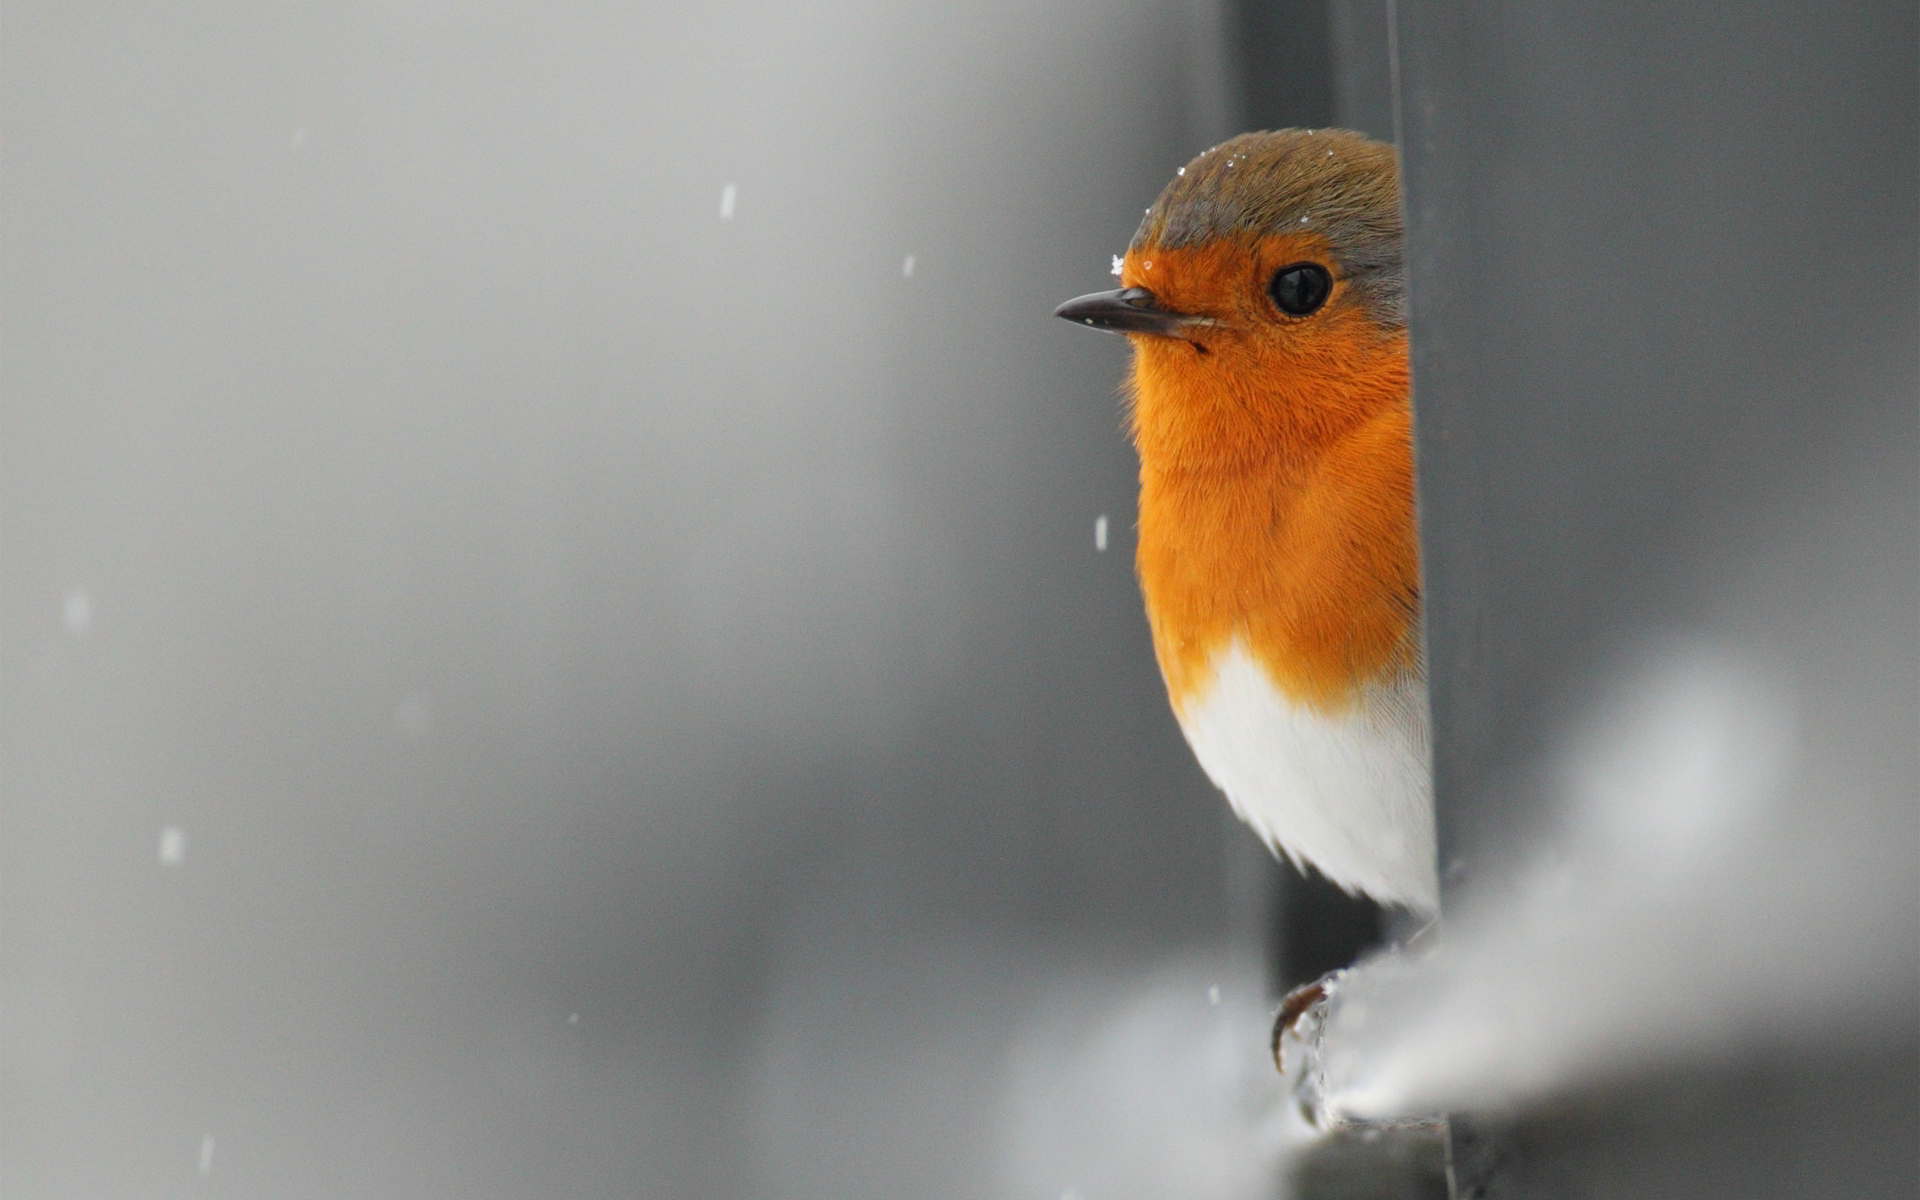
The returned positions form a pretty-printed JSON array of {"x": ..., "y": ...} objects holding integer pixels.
[{"x": 1300, "y": 288}]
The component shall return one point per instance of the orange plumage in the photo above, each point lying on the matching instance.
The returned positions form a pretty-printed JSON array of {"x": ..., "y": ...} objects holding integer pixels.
[{"x": 1283, "y": 510}]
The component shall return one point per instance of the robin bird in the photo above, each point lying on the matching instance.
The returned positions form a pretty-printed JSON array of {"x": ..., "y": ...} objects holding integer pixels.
[{"x": 1265, "y": 300}]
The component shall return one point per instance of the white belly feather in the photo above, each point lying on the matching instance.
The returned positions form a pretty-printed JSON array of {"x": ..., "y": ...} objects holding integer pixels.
[{"x": 1350, "y": 793}]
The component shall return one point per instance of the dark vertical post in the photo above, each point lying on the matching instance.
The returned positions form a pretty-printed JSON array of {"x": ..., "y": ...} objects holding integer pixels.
[
  {"x": 1284, "y": 58},
  {"x": 1362, "y": 66},
  {"x": 1310, "y": 64}
]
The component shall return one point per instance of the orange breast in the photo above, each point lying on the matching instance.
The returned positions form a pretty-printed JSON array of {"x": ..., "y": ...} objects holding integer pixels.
[{"x": 1303, "y": 543}]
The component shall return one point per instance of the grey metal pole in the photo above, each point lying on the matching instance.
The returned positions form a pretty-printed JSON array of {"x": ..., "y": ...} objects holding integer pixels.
[{"x": 1663, "y": 281}]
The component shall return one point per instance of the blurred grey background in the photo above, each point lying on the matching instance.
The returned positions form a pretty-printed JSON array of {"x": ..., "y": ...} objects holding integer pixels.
[
  {"x": 551, "y": 635},
  {"x": 552, "y": 639}
]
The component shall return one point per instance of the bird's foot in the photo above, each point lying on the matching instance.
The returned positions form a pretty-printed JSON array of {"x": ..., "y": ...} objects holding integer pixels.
[
  {"x": 1298, "y": 1004},
  {"x": 1321, "y": 1020}
]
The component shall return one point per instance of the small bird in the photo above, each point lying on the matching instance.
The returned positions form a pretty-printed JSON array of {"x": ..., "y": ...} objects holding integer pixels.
[{"x": 1265, "y": 300}]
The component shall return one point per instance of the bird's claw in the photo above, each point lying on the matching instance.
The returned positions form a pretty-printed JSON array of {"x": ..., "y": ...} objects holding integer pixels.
[{"x": 1297, "y": 1004}]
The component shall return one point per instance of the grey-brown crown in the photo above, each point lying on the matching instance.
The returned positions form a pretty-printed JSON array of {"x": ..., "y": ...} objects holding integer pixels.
[{"x": 1333, "y": 182}]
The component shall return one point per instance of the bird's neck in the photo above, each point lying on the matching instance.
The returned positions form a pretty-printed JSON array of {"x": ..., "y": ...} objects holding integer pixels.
[{"x": 1304, "y": 549}]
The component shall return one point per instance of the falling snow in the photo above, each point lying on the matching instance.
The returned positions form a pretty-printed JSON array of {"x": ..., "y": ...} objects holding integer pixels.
[
  {"x": 1116, "y": 265},
  {"x": 206, "y": 1156},
  {"x": 1100, "y": 533},
  {"x": 728, "y": 195},
  {"x": 1213, "y": 995},
  {"x": 173, "y": 849},
  {"x": 906, "y": 267}
]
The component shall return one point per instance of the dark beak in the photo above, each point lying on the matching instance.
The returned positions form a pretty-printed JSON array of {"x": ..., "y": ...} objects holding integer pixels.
[{"x": 1129, "y": 310}]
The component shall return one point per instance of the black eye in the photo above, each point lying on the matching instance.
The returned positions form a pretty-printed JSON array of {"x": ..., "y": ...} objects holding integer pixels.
[{"x": 1300, "y": 288}]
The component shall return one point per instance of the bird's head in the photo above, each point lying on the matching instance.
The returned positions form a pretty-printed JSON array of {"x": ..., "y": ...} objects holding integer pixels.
[{"x": 1265, "y": 298}]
